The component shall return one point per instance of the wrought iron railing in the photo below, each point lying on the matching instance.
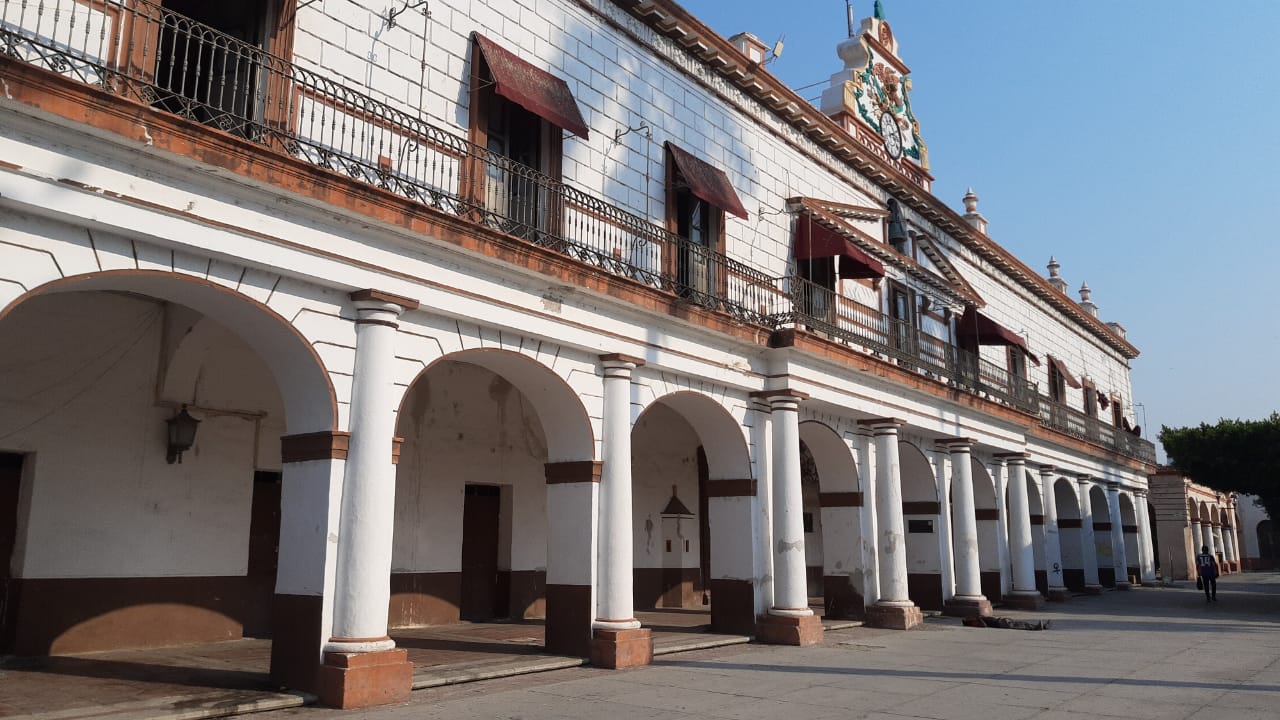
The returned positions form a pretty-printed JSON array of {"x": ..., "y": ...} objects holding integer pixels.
[
  {"x": 1068, "y": 420},
  {"x": 168, "y": 61},
  {"x": 840, "y": 318},
  {"x": 160, "y": 58}
]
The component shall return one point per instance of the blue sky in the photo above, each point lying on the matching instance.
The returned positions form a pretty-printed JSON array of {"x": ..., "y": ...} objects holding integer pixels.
[{"x": 1134, "y": 140}]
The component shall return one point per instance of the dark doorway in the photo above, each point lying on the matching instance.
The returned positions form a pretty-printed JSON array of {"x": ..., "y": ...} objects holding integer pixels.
[
  {"x": 10, "y": 480},
  {"x": 481, "y": 511},
  {"x": 704, "y": 529},
  {"x": 1268, "y": 545},
  {"x": 264, "y": 548}
]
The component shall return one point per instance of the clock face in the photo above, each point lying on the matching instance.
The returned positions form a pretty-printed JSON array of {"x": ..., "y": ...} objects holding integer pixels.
[{"x": 892, "y": 135}]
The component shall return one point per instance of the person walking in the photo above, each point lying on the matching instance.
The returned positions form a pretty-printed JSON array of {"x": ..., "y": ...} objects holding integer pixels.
[{"x": 1207, "y": 569}]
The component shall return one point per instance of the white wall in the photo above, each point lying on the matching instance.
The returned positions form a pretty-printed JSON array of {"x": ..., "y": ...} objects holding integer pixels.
[{"x": 663, "y": 453}]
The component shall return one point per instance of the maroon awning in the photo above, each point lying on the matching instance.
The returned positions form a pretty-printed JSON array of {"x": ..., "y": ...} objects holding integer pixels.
[
  {"x": 533, "y": 89},
  {"x": 974, "y": 325},
  {"x": 815, "y": 240},
  {"x": 1064, "y": 372},
  {"x": 707, "y": 181}
]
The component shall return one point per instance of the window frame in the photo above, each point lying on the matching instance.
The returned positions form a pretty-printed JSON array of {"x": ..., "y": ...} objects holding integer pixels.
[{"x": 678, "y": 195}]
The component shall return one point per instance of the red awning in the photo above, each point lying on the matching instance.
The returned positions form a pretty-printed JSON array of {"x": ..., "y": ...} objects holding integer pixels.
[
  {"x": 1064, "y": 372},
  {"x": 707, "y": 181},
  {"x": 974, "y": 325},
  {"x": 533, "y": 89},
  {"x": 815, "y": 240}
]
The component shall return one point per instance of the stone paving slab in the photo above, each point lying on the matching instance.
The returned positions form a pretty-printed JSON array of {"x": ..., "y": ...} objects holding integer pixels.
[{"x": 1149, "y": 653}]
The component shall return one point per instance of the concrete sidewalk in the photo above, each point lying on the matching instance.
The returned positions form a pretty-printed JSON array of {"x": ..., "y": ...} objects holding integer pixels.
[{"x": 1149, "y": 653}]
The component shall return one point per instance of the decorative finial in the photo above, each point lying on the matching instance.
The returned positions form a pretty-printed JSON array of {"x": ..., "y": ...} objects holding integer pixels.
[
  {"x": 879, "y": 13},
  {"x": 1054, "y": 278},
  {"x": 1054, "y": 266},
  {"x": 1085, "y": 292},
  {"x": 971, "y": 201},
  {"x": 848, "y": 8}
]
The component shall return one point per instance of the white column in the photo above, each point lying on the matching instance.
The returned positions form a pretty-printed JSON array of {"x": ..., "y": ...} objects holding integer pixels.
[
  {"x": 941, "y": 460},
  {"x": 790, "y": 589},
  {"x": 870, "y": 524},
  {"x": 1117, "y": 536},
  {"x": 614, "y": 566},
  {"x": 1219, "y": 547},
  {"x": 363, "y": 583},
  {"x": 1002, "y": 525},
  {"x": 1052, "y": 536},
  {"x": 1197, "y": 537},
  {"x": 1147, "y": 563},
  {"x": 1234, "y": 531},
  {"x": 1020, "y": 547},
  {"x": 761, "y": 439},
  {"x": 891, "y": 539},
  {"x": 968, "y": 576},
  {"x": 1088, "y": 543}
]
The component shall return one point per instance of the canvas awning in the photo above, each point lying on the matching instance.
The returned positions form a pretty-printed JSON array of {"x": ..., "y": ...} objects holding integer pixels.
[
  {"x": 1064, "y": 372},
  {"x": 532, "y": 88},
  {"x": 973, "y": 325},
  {"x": 816, "y": 240},
  {"x": 707, "y": 181}
]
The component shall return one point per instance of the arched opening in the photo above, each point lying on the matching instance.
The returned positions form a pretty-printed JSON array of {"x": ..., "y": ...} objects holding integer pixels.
[
  {"x": 1155, "y": 540},
  {"x": 691, "y": 499},
  {"x": 1102, "y": 520},
  {"x": 833, "y": 522},
  {"x": 484, "y": 433},
  {"x": 1205, "y": 541},
  {"x": 920, "y": 510},
  {"x": 1268, "y": 544},
  {"x": 1035, "y": 508},
  {"x": 1069, "y": 534},
  {"x": 113, "y": 546},
  {"x": 1129, "y": 519},
  {"x": 988, "y": 517}
]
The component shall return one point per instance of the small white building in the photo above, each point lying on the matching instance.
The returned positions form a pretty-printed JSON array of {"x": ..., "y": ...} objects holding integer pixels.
[{"x": 460, "y": 291}]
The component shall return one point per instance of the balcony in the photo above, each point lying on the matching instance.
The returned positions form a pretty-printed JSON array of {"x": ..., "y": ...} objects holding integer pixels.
[
  {"x": 1068, "y": 420},
  {"x": 159, "y": 58}
]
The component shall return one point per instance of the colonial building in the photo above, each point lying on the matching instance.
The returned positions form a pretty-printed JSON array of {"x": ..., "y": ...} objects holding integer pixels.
[
  {"x": 1189, "y": 517},
  {"x": 324, "y": 319}
]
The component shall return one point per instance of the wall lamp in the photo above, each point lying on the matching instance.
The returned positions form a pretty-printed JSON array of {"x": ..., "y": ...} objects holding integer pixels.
[{"x": 182, "y": 434}]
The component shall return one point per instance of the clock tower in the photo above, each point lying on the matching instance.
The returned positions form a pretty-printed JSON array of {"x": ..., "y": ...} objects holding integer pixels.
[{"x": 871, "y": 96}]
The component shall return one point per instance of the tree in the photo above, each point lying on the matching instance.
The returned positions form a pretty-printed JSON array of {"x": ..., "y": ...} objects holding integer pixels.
[{"x": 1232, "y": 456}]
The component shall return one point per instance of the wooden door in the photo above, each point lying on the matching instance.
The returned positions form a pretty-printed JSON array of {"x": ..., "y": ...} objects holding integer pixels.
[
  {"x": 10, "y": 479},
  {"x": 480, "y": 514},
  {"x": 264, "y": 547}
]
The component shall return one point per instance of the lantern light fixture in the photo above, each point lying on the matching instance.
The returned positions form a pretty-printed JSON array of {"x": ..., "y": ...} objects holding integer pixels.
[{"x": 182, "y": 434}]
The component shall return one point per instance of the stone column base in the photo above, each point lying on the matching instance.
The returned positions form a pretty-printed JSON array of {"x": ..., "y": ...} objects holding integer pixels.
[
  {"x": 358, "y": 680},
  {"x": 967, "y": 606},
  {"x": 893, "y": 617},
  {"x": 1123, "y": 586},
  {"x": 1059, "y": 594},
  {"x": 621, "y": 649},
  {"x": 1024, "y": 600},
  {"x": 785, "y": 630},
  {"x": 1092, "y": 589}
]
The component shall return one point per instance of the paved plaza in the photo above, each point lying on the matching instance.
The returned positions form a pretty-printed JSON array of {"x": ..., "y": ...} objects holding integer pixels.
[{"x": 1149, "y": 653}]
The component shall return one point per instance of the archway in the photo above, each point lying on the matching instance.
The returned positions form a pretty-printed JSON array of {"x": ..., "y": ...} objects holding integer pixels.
[
  {"x": 1102, "y": 520},
  {"x": 920, "y": 510},
  {"x": 1268, "y": 544},
  {"x": 1129, "y": 523},
  {"x": 1035, "y": 508},
  {"x": 988, "y": 517},
  {"x": 833, "y": 550},
  {"x": 486, "y": 434},
  {"x": 146, "y": 552},
  {"x": 1069, "y": 534},
  {"x": 692, "y": 495},
  {"x": 1155, "y": 540}
]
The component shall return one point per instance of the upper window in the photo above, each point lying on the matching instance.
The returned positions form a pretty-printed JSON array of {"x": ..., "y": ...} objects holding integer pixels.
[
  {"x": 1057, "y": 384},
  {"x": 1017, "y": 362},
  {"x": 1090, "y": 401},
  {"x": 698, "y": 197}
]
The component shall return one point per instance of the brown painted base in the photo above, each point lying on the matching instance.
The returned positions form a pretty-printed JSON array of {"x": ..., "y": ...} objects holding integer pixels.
[
  {"x": 925, "y": 590},
  {"x": 621, "y": 649},
  {"x": 357, "y": 680},
  {"x": 1024, "y": 600},
  {"x": 841, "y": 600},
  {"x": 295, "y": 646},
  {"x": 894, "y": 618},
  {"x": 1092, "y": 589},
  {"x": 991, "y": 585},
  {"x": 782, "y": 630},
  {"x": 1123, "y": 586},
  {"x": 568, "y": 625},
  {"x": 733, "y": 609},
  {"x": 967, "y": 607},
  {"x": 1059, "y": 594}
]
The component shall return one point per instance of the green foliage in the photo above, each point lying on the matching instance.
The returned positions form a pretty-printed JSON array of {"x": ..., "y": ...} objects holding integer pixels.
[{"x": 1232, "y": 456}]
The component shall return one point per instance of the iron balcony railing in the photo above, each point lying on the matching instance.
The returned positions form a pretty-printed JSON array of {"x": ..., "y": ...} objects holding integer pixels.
[
  {"x": 1068, "y": 420},
  {"x": 160, "y": 58},
  {"x": 840, "y": 318},
  {"x": 163, "y": 59}
]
